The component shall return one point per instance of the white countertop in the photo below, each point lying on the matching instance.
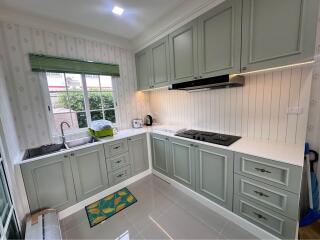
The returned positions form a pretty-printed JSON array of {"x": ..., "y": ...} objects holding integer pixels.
[{"x": 286, "y": 153}]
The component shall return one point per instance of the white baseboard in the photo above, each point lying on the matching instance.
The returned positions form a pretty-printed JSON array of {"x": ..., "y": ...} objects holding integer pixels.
[
  {"x": 250, "y": 227},
  {"x": 77, "y": 207}
]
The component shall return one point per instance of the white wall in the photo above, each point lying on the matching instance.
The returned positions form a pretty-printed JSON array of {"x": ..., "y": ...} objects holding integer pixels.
[
  {"x": 9, "y": 147},
  {"x": 258, "y": 110},
  {"x": 29, "y": 112}
]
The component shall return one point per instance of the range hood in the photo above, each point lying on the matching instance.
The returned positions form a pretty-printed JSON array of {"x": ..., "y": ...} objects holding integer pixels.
[{"x": 224, "y": 81}]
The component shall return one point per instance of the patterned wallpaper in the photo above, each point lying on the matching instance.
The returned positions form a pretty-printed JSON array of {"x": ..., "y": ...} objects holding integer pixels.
[
  {"x": 16, "y": 41},
  {"x": 258, "y": 110}
]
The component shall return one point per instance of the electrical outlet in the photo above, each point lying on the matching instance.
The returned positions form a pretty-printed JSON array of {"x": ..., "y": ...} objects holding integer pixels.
[{"x": 295, "y": 110}]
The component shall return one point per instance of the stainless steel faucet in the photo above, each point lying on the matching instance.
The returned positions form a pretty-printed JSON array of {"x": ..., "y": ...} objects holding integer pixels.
[{"x": 62, "y": 132}]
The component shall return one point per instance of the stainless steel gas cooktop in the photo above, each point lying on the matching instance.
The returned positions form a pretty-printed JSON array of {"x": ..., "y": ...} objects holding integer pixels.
[{"x": 216, "y": 138}]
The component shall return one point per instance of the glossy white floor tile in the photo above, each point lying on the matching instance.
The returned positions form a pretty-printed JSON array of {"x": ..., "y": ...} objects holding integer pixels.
[{"x": 162, "y": 212}]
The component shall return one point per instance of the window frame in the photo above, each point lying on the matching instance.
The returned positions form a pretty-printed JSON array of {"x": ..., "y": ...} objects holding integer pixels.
[
  {"x": 4, "y": 225},
  {"x": 49, "y": 109}
]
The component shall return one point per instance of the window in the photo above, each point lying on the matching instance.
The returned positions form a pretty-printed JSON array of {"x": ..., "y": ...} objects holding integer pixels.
[{"x": 79, "y": 99}]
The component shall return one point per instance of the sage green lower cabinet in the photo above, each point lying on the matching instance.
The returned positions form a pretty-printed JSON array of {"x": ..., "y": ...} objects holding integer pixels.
[
  {"x": 273, "y": 222},
  {"x": 119, "y": 175},
  {"x": 138, "y": 151},
  {"x": 89, "y": 171},
  {"x": 160, "y": 153},
  {"x": 214, "y": 172},
  {"x": 278, "y": 174},
  {"x": 278, "y": 200},
  {"x": 183, "y": 162},
  {"x": 49, "y": 183}
]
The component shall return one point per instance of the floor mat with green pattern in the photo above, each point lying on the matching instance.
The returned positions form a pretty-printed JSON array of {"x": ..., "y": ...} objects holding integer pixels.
[{"x": 106, "y": 207}]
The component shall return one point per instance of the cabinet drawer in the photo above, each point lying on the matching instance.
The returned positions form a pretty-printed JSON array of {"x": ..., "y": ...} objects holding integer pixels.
[
  {"x": 117, "y": 162},
  {"x": 275, "y": 173},
  {"x": 120, "y": 175},
  {"x": 275, "y": 199},
  {"x": 272, "y": 222},
  {"x": 116, "y": 147}
]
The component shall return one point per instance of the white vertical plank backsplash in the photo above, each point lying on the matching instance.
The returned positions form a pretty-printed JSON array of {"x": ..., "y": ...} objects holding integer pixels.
[
  {"x": 259, "y": 110},
  {"x": 18, "y": 40}
]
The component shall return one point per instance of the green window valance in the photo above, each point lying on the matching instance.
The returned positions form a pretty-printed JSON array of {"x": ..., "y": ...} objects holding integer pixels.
[{"x": 44, "y": 63}]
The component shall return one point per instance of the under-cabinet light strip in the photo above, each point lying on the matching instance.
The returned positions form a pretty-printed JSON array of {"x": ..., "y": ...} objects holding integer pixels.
[
  {"x": 277, "y": 68},
  {"x": 246, "y": 73}
]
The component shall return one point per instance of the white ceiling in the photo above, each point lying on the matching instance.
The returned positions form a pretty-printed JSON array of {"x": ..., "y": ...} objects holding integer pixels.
[{"x": 138, "y": 16}]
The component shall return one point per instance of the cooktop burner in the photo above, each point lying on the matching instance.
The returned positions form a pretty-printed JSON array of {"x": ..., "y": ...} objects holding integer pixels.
[{"x": 216, "y": 138}]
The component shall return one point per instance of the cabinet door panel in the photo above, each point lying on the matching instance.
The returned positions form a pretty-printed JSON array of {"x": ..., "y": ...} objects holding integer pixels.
[
  {"x": 89, "y": 171},
  {"x": 160, "y": 154},
  {"x": 138, "y": 153},
  {"x": 277, "y": 224},
  {"x": 182, "y": 160},
  {"x": 184, "y": 53},
  {"x": 143, "y": 70},
  {"x": 160, "y": 67},
  {"x": 215, "y": 175},
  {"x": 220, "y": 40},
  {"x": 49, "y": 183},
  {"x": 277, "y": 33}
]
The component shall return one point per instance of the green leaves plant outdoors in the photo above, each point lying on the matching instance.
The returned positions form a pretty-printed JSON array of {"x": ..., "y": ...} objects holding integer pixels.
[{"x": 76, "y": 103}]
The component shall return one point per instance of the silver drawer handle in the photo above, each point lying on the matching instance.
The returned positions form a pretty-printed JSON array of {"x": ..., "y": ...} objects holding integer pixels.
[
  {"x": 119, "y": 161},
  {"x": 116, "y": 147},
  {"x": 120, "y": 175},
  {"x": 260, "y": 216},
  {"x": 261, "y": 194},
  {"x": 262, "y": 170}
]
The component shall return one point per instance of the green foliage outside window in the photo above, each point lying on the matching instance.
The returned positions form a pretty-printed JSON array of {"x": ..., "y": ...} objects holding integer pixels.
[{"x": 76, "y": 103}]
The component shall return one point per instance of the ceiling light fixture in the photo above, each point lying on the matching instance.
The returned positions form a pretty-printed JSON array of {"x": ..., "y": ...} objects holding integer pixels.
[{"x": 117, "y": 10}]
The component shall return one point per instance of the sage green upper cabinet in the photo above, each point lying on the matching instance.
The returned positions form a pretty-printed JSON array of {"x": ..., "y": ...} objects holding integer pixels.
[
  {"x": 182, "y": 160},
  {"x": 219, "y": 40},
  {"x": 214, "y": 171},
  {"x": 160, "y": 154},
  {"x": 49, "y": 183},
  {"x": 184, "y": 53},
  {"x": 143, "y": 69},
  {"x": 138, "y": 150},
  {"x": 89, "y": 171},
  {"x": 276, "y": 33},
  {"x": 160, "y": 67}
]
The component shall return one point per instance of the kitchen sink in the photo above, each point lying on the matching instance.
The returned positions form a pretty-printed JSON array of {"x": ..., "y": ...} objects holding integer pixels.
[
  {"x": 52, "y": 148},
  {"x": 80, "y": 142},
  {"x": 43, "y": 150}
]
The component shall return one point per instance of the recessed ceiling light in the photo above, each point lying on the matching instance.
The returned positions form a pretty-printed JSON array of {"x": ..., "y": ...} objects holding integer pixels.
[{"x": 117, "y": 10}]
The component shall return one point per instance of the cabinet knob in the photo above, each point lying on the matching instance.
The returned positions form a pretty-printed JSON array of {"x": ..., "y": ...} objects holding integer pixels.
[
  {"x": 195, "y": 78},
  {"x": 65, "y": 156},
  {"x": 262, "y": 170},
  {"x": 244, "y": 68},
  {"x": 129, "y": 139},
  {"x": 72, "y": 154},
  {"x": 261, "y": 194},
  {"x": 260, "y": 216},
  {"x": 200, "y": 77}
]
